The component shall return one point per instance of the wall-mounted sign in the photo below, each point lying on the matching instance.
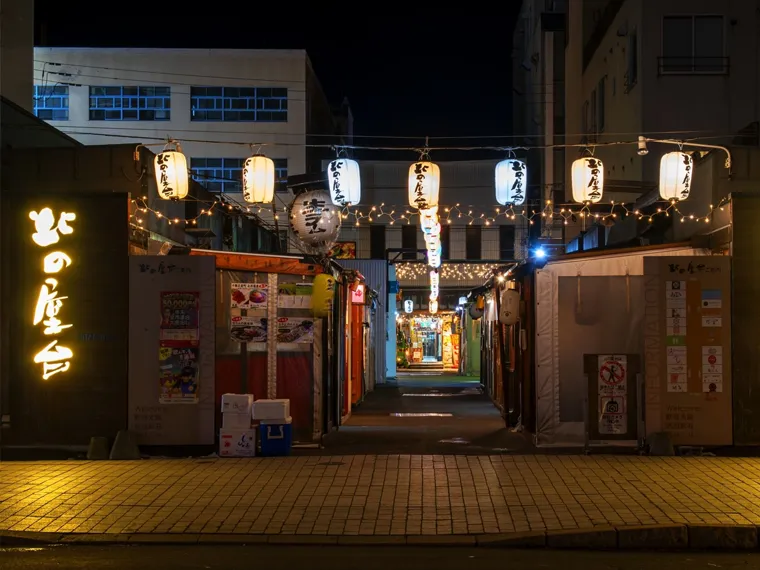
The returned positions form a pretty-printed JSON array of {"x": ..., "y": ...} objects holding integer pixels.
[
  {"x": 357, "y": 294},
  {"x": 408, "y": 306},
  {"x": 54, "y": 358}
]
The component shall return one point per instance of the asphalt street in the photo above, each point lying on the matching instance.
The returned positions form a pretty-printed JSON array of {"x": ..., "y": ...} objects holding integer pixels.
[{"x": 219, "y": 557}]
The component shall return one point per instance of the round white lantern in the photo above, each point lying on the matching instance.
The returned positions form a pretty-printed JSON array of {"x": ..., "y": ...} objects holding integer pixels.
[
  {"x": 433, "y": 307},
  {"x": 509, "y": 307},
  {"x": 676, "y": 171},
  {"x": 588, "y": 180},
  {"x": 171, "y": 174},
  {"x": 424, "y": 185},
  {"x": 314, "y": 219},
  {"x": 408, "y": 306},
  {"x": 428, "y": 218},
  {"x": 344, "y": 177},
  {"x": 511, "y": 182},
  {"x": 258, "y": 180}
]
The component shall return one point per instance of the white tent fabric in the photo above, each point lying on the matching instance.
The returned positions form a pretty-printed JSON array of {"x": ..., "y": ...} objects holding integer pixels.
[{"x": 550, "y": 431}]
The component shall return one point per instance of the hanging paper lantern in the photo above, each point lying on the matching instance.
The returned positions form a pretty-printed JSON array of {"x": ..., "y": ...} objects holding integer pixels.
[
  {"x": 509, "y": 307},
  {"x": 433, "y": 307},
  {"x": 314, "y": 219},
  {"x": 258, "y": 180},
  {"x": 323, "y": 291},
  {"x": 474, "y": 311},
  {"x": 171, "y": 174},
  {"x": 676, "y": 169},
  {"x": 511, "y": 182},
  {"x": 428, "y": 218},
  {"x": 588, "y": 180},
  {"x": 344, "y": 177},
  {"x": 424, "y": 185},
  {"x": 408, "y": 306}
]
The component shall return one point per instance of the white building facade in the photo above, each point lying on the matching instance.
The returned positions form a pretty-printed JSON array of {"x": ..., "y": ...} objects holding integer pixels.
[{"x": 221, "y": 105}]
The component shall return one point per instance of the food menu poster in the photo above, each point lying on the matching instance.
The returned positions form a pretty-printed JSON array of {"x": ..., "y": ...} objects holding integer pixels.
[
  {"x": 180, "y": 318},
  {"x": 249, "y": 295},
  {"x": 295, "y": 331},
  {"x": 248, "y": 329}
]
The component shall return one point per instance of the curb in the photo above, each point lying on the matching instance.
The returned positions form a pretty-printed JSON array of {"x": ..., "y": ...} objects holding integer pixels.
[{"x": 649, "y": 537}]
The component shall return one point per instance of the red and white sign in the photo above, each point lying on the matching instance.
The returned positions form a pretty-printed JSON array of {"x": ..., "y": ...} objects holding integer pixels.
[{"x": 357, "y": 294}]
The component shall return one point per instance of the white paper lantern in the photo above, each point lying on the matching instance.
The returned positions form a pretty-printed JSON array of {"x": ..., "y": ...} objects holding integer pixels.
[
  {"x": 676, "y": 171},
  {"x": 171, "y": 174},
  {"x": 424, "y": 185},
  {"x": 433, "y": 307},
  {"x": 408, "y": 306},
  {"x": 511, "y": 182},
  {"x": 258, "y": 180},
  {"x": 428, "y": 218},
  {"x": 509, "y": 307},
  {"x": 588, "y": 180},
  {"x": 314, "y": 219},
  {"x": 344, "y": 177},
  {"x": 474, "y": 311}
]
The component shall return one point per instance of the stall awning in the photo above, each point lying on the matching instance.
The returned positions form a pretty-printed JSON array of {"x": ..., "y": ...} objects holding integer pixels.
[{"x": 260, "y": 262}]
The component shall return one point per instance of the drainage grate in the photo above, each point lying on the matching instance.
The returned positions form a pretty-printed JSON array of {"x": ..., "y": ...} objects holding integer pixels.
[{"x": 421, "y": 415}]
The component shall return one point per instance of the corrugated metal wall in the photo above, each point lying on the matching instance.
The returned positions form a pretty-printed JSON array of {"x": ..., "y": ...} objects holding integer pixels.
[{"x": 374, "y": 273}]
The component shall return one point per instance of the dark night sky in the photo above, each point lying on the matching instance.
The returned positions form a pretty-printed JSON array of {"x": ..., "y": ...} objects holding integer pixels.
[{"x": 412, "y": 72}]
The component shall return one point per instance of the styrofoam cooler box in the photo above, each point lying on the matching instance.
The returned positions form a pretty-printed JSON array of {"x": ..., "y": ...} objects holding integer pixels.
[
  {"x": 271, "y": 410},
  {"x": 236, "y": 420},
  {"x": 276, "y": 437},
  {"x": 237, "y": 403},
  {"x": 237, "y": 442}
]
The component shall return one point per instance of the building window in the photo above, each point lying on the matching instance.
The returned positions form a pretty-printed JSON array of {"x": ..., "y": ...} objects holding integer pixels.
[
  {"x": 446, "y": 242},
  {"x": 226, "y": 174},
  {"x": 473, "y": 245},
  {"x": 377, "y": 241},
  {"x": 632, "y": 62},
  {"x": 409, "y": 241},
  {"x": 51, "y": 102},
  {"x": 693, "y": 44},
  {"x": 261, "y": 104},
  {"x": 130, "y": 103},
  {"x": 506, "y": 242},
  {"x": 600, "y": 105}
]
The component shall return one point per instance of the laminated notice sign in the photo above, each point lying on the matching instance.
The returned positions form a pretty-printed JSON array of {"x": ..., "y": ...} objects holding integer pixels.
[{"x": 612, "y": 381}]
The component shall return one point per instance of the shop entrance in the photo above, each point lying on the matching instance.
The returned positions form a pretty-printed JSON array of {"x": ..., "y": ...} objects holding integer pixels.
[{"x": 428, "y": 341}]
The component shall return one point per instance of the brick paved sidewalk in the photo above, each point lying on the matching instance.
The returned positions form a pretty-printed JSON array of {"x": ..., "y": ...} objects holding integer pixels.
[{"x": 376, "y": 495}]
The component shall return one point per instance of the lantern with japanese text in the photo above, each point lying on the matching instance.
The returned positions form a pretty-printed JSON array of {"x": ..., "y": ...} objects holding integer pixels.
[
  {"x": 171, "y": 174},
  {"x": 408, "y": 306},
  {"x": 588, "y": 180},
  {"x": 323, "y": 292},
  {"x": 315, "y": 220},
  {"x": 433, "y": 307},
  {"x": 344, "y": 178},
  {"x": 424, "y": 185},
  {"x": 428, "y": 218},
  {"x": 258, "y": 180},
  {"x": 511, "y": 182},
  {"x": 509, "y": 307},
  {"x": 676, "y": 171}
]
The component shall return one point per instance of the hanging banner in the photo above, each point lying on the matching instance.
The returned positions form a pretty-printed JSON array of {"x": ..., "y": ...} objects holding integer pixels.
[
  {"x": 249, "y": 295},
  {"x": 179, "y": 318},
  {"x": 612, "y": 382},
  {"x": 178, "y": 375}
]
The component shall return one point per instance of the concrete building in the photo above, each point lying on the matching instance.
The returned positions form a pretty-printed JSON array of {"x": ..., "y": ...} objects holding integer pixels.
[
  {"x": 222, "y": 105},
  {"x": 16, "y": 51}
]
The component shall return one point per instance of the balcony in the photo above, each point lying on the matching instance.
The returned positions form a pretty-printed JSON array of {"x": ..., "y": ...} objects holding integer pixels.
[{"x": 691, "y": 65}]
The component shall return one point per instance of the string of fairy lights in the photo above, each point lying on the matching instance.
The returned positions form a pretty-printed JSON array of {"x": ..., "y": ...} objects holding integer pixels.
[{"x": 411, "y": 271}]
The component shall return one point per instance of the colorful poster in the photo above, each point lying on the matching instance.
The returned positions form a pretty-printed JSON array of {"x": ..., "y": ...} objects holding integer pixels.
[
  {"x": 295, "y": 331},
  {"x": 180, "y": 325},
  {"x": 343, "y": 250},
  {"x": 248, "y": 329},
  {"x": 249, "y": 295},
  {"x": 178, "y": 375}
]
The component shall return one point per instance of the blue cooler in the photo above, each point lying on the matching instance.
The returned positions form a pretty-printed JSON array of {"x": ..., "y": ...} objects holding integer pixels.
[{"x": 276, "y": 437}]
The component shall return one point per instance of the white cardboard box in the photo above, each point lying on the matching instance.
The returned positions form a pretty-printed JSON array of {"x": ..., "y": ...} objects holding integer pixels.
[
  {"x": 271, "y": 409},
  {"x": 240, "y": 403},
  {"x": 236, "y": 420},
  {"x": 237, "y": 442}
]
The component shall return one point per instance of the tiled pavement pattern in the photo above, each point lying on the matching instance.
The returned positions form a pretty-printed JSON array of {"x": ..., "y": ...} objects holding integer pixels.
[{"x": 376, "y": 495}]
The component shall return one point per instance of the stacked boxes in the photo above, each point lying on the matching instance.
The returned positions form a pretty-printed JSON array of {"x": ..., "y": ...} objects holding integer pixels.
[
  {"x": 237, "y": 438},
  {"x": 276, "y": 426}
]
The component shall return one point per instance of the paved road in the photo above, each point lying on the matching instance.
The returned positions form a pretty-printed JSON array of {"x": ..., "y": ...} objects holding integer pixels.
[{"x": 350, "y": 558}]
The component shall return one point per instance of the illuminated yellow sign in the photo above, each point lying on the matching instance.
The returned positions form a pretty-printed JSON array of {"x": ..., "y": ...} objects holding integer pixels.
[{"x": 54, "y": 357}]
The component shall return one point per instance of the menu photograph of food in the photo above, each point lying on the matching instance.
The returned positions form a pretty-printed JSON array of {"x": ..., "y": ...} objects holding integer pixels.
[
  {"x": 248, "y": 329},
  {"x": 295, "y": 331},
  {"x": 249, "y": 295}
]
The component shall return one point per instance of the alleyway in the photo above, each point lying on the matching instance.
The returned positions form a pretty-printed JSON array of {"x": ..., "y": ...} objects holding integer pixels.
[{"x": 426, "y": 414}]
